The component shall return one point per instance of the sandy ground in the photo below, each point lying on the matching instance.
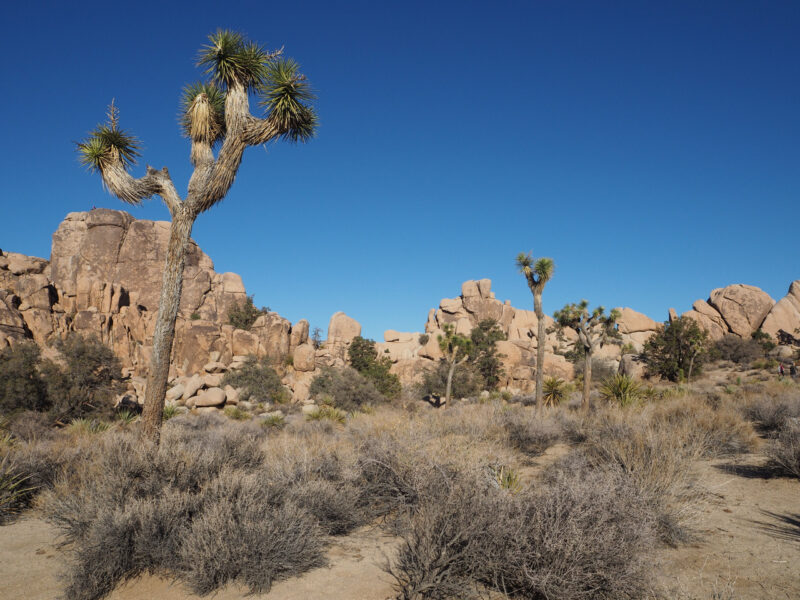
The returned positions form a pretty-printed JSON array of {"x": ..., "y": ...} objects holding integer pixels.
[{"x": 749, "y": 548}]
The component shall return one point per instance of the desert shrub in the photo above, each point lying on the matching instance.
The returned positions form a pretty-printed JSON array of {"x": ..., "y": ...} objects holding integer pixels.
[
  {"x": 658, "y": 462},
  {"x": 621, "y": 389},
  {"x": 258, "y": 542},
  {"x": 527, "y": 433},
  {"x": 769, "y": 413},
  {"x": 334, "y": 504},
  {"x": 579, "y": 537},
  {"x": 364, "y": 358},
  {"x": 715, "y": 428},
  {"x": 245, "y": 313},
  {"x": 738, "y": 350},
  {"x": 483, "y": 352},
  {"x": 784, "y": 451},
  {"x": 236, "y": 413},
  {"x": 31, "y": 425},
  {"x": 465, "y": 381},
  {"x": 327, "y": 412},
  {"x": 84, "y": 381},
  {"x": 21, "y": 385},
  {"x": 677, "y": 351},
  {"x": 257, "y": 380},
  {"x": 345, "y": 389},
  {"x": 766, "y": 364}
]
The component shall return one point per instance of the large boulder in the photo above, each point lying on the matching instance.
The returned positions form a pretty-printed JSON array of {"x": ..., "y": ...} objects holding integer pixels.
[
  {"x": 708, "y": 318},
  {"x": 342, "y": 329},
  {"x": 743, "y": 307},
  {"x": 304, "y": 358},
  {"x": 785, "y": 315}
]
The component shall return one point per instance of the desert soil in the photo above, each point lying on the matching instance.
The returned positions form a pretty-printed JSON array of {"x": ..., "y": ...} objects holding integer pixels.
[{"x": 748, "y": 548}]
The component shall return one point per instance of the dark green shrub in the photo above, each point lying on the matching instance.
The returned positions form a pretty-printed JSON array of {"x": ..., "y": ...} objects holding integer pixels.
[
  {"x": 84, "y": 382},
  {"x": 483, "y": 352},
  {"x": 245, "y": 313},
  {"x": 345, "y": 388},
  {"x": 676, "y": 351},
  {"x": 364, "y": 358},
  {"x": 738, "y": 350},
  {"x": 465, "y": 381},
  {"x": 258, "y": 381},
  {"x": 21, "y": 385}
]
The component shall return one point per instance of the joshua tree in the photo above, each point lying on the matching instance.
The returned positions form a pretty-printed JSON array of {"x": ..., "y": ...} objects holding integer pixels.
[
  {"x": 214, "y": 114},
  {"x": 537, "y": 272},
  {"x": 593, "y": 328},
  {"x": 451, "y": 345}
]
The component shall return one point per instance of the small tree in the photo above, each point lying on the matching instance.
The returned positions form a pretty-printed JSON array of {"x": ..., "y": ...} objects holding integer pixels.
[
  {"x": 214, "y": 114},
  {"x": 537, "y": 273},
  {"x": 452, "y": 344},
  {"x": 483, "y": 352},
  {"x": 364, "y": 358},
  {"x": 594, "y": 329},
  {"x": 316, "y": 338},
  {"x": 245, "y": 313},
  {"x": 677, "y": 350}
]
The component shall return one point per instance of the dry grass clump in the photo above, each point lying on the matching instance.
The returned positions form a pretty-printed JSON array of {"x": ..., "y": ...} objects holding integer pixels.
[
  {"x": 770, "y": 412},
  {"x": 528, "y": 433},
  {"x": 784, "y": 451},
  {"x": 579, "y": 537}
]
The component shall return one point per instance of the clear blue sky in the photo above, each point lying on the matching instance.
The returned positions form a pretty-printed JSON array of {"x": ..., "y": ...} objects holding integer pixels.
[{"x": 652, "y": 149}]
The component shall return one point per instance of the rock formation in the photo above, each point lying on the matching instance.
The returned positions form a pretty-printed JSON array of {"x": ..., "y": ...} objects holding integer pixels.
[{"x": 736, "y": 309}]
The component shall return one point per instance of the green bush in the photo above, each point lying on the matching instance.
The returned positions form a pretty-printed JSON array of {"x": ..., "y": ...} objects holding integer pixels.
[
  {"x": 554, "y": 391},
  {"x": 363, "y": 358},
  {"x": 245, "y": 313},
  {"x": 483, "y": 352},
  {"x": 345, "y": 389},
  {"x": 677, "y": 350},
  {"x": 466, "y": 382},
  {"x": 21, "y": 384},
  {"x": 738, "y": 350},
  {"x": 258, "y": 381}
]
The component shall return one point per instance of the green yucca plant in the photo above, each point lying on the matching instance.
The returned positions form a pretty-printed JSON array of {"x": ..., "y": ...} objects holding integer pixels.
[
  {"x": 236, "y": 413},
  {"x": 13, "y": 492},
  {"x": 85, "y": 426},
  {"x": 554, "y": 392},
  {"x": 169, "y": 411},
  {"x": 328, "y": 412},
  {"x": 126, "y": 417},
  {"x": 275, "y": 420},
  {"x": 506, "y": 478},
  {"x": 621, "y": 389}
]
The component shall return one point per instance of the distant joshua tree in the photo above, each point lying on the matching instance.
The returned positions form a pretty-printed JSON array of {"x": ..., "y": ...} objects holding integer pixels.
[
  {"x": 594, "y": 328},
  {"x": 452, "y": 344},
  {"x": 537, "y": 271},
  {"x": 214, "y": 114}
]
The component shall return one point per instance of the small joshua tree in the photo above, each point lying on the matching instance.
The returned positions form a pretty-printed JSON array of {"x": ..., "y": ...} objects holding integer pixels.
[
  {"x": 452, "y": 344},
  {"x": 594, "y": 329},
  {"x": 537, "y": 271},
  {"x": 215, "y": 114}
]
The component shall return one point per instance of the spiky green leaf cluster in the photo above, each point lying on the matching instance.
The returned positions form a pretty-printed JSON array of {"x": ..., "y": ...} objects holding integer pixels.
[
  {"x": 231, "y": 58},
  {"x": 216, "y": 101},
  {"x": 537, "y": 271},
  {"x": 285, "y": 94},
  {"x": 105, "y": 143}
]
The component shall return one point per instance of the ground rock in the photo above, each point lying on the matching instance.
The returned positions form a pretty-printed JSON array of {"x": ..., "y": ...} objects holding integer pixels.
[
  {"x": 211, "y": 397},
  {"x": 192, "y": 386}
]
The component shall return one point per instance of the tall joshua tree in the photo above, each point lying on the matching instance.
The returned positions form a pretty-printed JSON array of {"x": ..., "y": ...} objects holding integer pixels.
[
  {"x": 594, "y": 329},
  {"x": 451, "y": 344},
  {"x": 215, "y": 115},
  {"x": 537, "y": 271}
]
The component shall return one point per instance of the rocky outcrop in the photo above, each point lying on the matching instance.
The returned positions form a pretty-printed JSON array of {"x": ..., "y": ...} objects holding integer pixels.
[
  {"x": 785, "y": 315},
  {"x": 736, "y": 309}
]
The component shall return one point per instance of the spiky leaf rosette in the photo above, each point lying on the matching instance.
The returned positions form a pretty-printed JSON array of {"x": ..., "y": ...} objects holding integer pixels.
[
  {"x": 203, "y": 112},
  {"x": 230, "y": 58},
  {"x": 107, "y": 144},
  {"x": 537, "y": 271},
  {"x": 284, "y": 95}
]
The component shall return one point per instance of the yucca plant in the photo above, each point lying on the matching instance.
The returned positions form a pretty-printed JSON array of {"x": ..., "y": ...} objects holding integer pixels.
[
  {"x": 169, "y": 411},
  {"x": 236, "y": 413},
  {"x": 13, "y": 489},
  {"x": 125, "y": 417},
  {"x": 273, "y": 421},
  {"x": 215, "y": 116},
  {"x": 327, "y": 412},
  {"x": 85, "y": 426},
  {"x": 555, "y": 390},
  {"x": 506, "y": 478},
  {"x": 621, "y": 389}
]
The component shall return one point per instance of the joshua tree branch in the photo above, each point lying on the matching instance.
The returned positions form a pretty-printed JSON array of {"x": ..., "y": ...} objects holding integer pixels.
[{"x": 133, "y": 191}]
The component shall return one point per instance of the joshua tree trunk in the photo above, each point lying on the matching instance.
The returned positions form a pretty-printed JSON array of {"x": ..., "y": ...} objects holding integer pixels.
[
  {"x": 540, "y": 341},
  {"x": 164, "y": 333},
  {"x": 587, "y": 379}
]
